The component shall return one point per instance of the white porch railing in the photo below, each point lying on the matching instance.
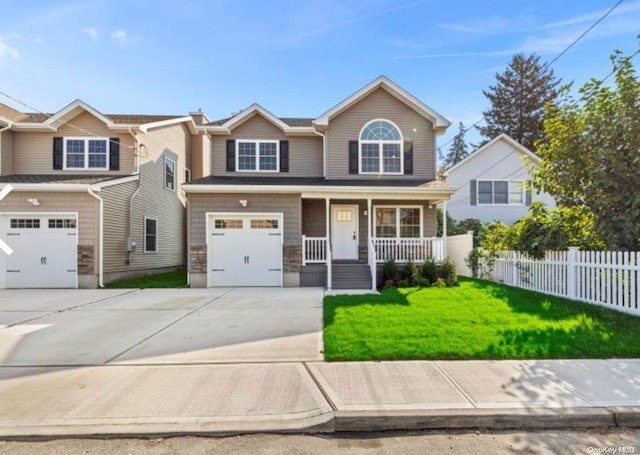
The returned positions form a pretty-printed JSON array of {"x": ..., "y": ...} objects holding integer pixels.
[
  {"x": 409, "y": 249},
  {"x": 314, "y": 250}
]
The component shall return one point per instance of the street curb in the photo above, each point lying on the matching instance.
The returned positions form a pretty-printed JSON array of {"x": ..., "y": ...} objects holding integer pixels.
[{"x": 495, "y": 419}]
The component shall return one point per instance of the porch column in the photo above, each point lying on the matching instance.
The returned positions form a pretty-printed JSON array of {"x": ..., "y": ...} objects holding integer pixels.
[
  {"x": 371, "y": 251},
  {"x": 328, "y": 237},
  {"x": 444, "y": 228},
  {"x": 369, "y": 232}
]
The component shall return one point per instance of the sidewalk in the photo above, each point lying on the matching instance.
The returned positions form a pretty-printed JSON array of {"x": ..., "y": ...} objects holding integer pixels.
[{"x": 217, "y": 399}]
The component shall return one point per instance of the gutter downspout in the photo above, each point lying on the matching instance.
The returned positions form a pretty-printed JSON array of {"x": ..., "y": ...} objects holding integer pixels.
[
  {"x": 101, "y": 238},
  {"x": 135, "y": 193},
  {"x": 2, "y": 130},
  {"x": 324, "y": 152}
]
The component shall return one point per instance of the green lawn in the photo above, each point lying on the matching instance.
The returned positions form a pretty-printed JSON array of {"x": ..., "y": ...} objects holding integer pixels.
[
  {"x": 176, "y": 279},
  {"x": 477, "y": 320}
]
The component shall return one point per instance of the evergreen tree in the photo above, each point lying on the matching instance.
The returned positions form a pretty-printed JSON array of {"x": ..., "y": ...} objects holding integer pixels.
[
  {"x": 458, "y": 150},
  {"x": 518, "y": 99}
]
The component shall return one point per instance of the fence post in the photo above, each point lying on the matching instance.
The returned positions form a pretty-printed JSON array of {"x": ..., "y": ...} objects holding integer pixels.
[{"x": 572, "y": 259}]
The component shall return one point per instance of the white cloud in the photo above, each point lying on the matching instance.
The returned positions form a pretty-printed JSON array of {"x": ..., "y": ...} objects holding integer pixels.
[
  {"x": 120, "y": 36},
  {"x": 6, "y": 50},
  {"x": 92, "y": 32}
]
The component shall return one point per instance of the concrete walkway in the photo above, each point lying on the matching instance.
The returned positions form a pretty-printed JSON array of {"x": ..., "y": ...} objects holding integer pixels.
[{"x": 161, "y": 400}]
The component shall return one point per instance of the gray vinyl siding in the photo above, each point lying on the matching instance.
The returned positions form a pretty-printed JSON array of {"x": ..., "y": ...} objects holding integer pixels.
[
  {"x": 290, "y": 205},
  {"x": 314, "y": 217},
  {"x": 380, "y": 104},
  {"x": 117, "y": 215},
  {"x": 33, "y": 150},
  {"x": 155, "y": 201},
  {"x": 6, "y": 148},
  {"x": 83, "y": 204},
  {"x": 305, "y": 152}
]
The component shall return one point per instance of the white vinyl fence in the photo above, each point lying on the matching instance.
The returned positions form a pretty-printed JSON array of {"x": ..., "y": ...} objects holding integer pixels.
[{"x": 607, "y": 278}]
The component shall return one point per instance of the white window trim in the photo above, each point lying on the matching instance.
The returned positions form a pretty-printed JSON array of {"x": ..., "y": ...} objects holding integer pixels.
[
  {"x": 397, "y": 208},
  {"x": 86, "y": 153},
  {"x": 144, "y": 236},
  {"x": 508, "y": 204},
  {"x": 175, "y": 171},
  {"x": 380, "y": 152},
  {"x": 257, "y": 143}
]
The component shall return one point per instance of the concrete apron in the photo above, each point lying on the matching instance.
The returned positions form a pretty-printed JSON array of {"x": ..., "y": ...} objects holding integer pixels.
[{"x": 170, "y": 400}]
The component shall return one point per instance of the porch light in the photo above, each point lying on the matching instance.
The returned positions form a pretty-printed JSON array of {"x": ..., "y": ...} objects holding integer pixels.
[
  {"x": 365, "y": 212},
  {"x": 243, "y": 202},
  {"x": 34, "y": 201}
]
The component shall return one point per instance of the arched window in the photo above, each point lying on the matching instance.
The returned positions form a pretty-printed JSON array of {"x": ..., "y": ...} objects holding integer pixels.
[{"x": 380, "y": 148}]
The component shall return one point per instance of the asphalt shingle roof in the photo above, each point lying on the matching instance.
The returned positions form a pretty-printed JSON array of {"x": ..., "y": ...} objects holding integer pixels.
[
  {"x": 77, "y": 179},
  {"x": 291, "y": 121},
  {"x": 132, "y": 119},
  {"x": 318, "y": 181}
]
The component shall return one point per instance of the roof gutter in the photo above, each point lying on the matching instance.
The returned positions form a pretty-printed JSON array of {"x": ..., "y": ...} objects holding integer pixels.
[
  {"x": 9, "y": 125},
  {"x": 51, "y": 187}
]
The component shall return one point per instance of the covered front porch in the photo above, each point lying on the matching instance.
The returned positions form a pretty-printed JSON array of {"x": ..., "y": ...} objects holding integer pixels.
[{"x": 346, "y": 240}]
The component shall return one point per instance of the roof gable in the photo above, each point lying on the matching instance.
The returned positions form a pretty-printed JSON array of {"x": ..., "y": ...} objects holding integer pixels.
[
  {"x": 439, "y": 121},
  {"x": 249, "y": 112},
  {"x": 502, "y": 137}
]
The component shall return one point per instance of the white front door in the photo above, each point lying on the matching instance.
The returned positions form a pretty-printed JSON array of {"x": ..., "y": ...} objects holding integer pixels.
[
  {"x": 245, "y": 250},
  {"x": 344, "y": 231}
]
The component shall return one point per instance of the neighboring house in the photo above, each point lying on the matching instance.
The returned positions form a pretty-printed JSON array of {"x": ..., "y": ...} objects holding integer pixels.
[
  {"x": 84, "y": 185},
  {"x": 491, "y": 183},
  {"x": 317, "y": 201}
]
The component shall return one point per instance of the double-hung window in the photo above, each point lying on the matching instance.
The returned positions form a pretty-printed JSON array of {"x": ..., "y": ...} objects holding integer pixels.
[
  {"x": 150, "y": 235},
  {"x": 380, "y": 148},
  {"x": 86, "y": 153},
  {"x": 501, "y": 192},
  {"x": 398, "y": 222},
  {"x": 257, "y": 156}
]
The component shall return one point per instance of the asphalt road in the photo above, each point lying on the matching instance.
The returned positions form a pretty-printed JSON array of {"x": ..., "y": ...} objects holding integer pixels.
[{"x": 407, "y": 443}]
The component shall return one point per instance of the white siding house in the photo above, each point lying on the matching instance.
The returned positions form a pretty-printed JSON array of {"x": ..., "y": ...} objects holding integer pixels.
[{"x": 491, "y": 181}]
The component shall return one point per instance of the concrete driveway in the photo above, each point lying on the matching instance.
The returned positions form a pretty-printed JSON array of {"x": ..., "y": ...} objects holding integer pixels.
[{"x": 158, "y": 326}]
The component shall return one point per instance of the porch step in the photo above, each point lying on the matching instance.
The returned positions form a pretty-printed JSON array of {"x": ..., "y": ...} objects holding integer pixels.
[{"x": 350, "y": 276}]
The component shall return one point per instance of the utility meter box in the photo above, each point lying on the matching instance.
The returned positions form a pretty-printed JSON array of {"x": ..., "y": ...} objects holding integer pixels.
[{"x": 131, "y": 245}]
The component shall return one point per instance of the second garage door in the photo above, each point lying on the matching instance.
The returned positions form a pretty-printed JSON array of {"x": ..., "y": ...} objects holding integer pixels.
[{"x": 244, "y": 250}]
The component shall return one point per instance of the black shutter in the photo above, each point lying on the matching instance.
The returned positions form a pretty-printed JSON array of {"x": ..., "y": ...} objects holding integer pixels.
[
  {"x": 58, "y": 152},
  {"x": 353, "y": 157},
  {"x": 473, "y": 198},
  {"x": 408, "y": 157},
  {"x": 528, "y": 193},
  {"x": 284, "y": 156},
  {"x": 231, "y": 155},
  {"x": 114, "y": 154}
]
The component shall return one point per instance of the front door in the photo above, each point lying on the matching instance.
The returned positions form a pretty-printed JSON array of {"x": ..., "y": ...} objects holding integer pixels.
[{"x": 344, "y": 231}]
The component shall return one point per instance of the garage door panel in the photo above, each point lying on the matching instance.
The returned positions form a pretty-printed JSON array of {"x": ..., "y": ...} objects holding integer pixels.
[
  {"x": 250, "y": 254},
  {"x": 44, "y": 253}
]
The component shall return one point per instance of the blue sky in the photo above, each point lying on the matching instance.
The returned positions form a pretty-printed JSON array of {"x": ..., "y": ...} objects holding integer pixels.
[{"x": 296, "y": 58}]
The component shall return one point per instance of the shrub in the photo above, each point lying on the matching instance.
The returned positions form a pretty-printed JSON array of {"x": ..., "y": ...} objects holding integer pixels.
[
  {"x": 389, "y": 270},
  {"x": 439, "y": 283},
  {"x": 410, "y": 273},
  {"x": 403, "y": 284},
  {"x": 423, "y": 282},
  {"x": 429, "y": 271},
  {"x": 448, "y": 272},
  {"x": 389, "y": 284},
  {"x": 473, "y": 261}
]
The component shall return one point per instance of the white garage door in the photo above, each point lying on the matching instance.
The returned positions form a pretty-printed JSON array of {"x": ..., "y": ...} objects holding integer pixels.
[
  {"x": 44, "y": 251},
  {"x": 245, "y": 250}
]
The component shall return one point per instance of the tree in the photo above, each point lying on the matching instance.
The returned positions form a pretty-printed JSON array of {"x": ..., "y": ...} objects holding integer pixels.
[
  {"x": 458, "y": 150},
  {"x": 518, "y": 100},
  {"x": 591, "y": 154}
]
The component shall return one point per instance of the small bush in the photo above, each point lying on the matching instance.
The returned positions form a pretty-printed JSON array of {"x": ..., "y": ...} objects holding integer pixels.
[
  {"x": 403, "y": 284},
  {"x": 389, "y": 284},
  {"x": 439, "y": 283},
  {"x": 410, "y": 273},
  {"x": 473, "y": 261},
  {"x": 389, "y": 270},
  {"x": 423, "y": 282},
  {"x": 448, "y": 272},
  {"x": 429, "y": 271}
]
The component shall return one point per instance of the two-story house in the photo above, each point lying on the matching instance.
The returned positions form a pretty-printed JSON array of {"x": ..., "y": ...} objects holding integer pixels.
[
  {"x": 317, "y": 201},
  {"x": 95, "y": 196}
]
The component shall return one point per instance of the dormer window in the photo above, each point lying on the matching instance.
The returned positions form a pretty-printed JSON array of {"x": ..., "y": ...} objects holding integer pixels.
[{"x": 380, "y": 149}]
